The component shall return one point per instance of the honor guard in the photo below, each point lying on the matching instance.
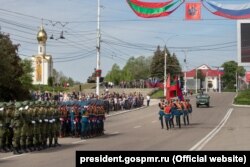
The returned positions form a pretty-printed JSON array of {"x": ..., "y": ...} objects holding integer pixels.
[{"x": 16, "y": 124}]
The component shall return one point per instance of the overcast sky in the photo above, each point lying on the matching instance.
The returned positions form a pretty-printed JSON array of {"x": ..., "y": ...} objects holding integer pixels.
[{"x": 211, "y": 40}]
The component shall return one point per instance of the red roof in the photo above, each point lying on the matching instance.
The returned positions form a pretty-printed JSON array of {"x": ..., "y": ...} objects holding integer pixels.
[{"x": 209, "y": 72}]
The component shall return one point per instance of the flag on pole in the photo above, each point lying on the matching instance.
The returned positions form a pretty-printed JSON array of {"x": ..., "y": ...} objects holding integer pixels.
[
  {"x": 167, "y": 87},
  {"x": 178, "y": 89},
  {"x": 154, "y": 9},
  {"x": 193, "y": 11}
]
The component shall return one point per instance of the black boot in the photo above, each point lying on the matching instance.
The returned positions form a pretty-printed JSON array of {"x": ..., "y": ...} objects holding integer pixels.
[
  {"x": 23, "y": 149},
  {"x": 16, "y": 151},
  {"x": 29, "y": 148}
]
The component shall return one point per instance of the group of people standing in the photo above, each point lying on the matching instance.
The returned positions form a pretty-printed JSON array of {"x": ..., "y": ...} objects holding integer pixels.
[
  {"x": 171, "y": 109},
  {"x": 28, "y": 126}
]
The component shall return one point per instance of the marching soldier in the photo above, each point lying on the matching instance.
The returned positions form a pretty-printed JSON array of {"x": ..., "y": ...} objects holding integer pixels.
[
  {"x": 16, "y": 124},
  {"x": 30, "y": 130},
  {"x": 55, "y": 124},
  {"x": 35, "y": 126},
  {"x": 10, "y": 107},
  {"x": 2, "y": 128},
  {"x": 84, "y": 120},
  {"x": 161, "y": 115},
  {"x": 25, "y": 129}
]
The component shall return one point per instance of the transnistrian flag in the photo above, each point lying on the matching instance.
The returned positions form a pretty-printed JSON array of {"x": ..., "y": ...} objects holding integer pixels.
[
  {"x": 193, "y": 11},
  {"x": 154, "y": 9}
]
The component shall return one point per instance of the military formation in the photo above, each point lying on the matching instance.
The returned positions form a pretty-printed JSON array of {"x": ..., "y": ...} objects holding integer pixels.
[
  {"x": 35, "y": 125},
  {"x": 174, "y": 109}
]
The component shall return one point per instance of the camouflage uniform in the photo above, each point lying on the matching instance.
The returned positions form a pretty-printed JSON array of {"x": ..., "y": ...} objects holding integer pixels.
[
  {"x": 10, "y": 107},
  {"x": 16, "y": 124},
  {"x": 25, "y": 128},
  {"x": 2, "y": 128},
  {"x": 56, "y": 125},
  {"x": 29, "y": 132},
  {"x": 35, "y": 126}
]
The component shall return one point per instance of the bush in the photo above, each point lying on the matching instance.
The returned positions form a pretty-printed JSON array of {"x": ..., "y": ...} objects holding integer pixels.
[{"x": 243, "y": 98}]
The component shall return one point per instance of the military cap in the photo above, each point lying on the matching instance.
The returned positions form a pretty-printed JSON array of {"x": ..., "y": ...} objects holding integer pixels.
[
  {"x": 10, "y": 104},
  {"x": 18, "y": 105},
  {"x": 37, "y": 103},
  {"x": 48, "y": 104},
  {"x": 2, "y": 104},
  {"x": 43, "y": 103},
  {"x": 31, "y": 103}
]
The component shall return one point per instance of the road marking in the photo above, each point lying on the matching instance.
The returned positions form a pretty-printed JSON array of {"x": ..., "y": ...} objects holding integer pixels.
[
  {"x": 13, "y": 156},
  {"x": 139, "y": 126},
  {"x": 114, "y": 133},
  {"x": 79, "y": 141},
  {"x": 210, "y": 135}
]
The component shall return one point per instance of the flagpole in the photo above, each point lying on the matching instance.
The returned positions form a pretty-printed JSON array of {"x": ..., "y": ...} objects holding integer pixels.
[{"x": 98, "y": 50}]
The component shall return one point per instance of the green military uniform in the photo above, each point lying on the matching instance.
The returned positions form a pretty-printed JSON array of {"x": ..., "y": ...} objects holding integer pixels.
[
  {"x": 29, "y": 132},
  {"x": 26, "y": 128},
  {"x": 55, "y": 124},
  {"x": 16, "y": 124},
  {"x": 44, "y": 124},
  {"x": 10, "y": 108},
  {"x": 36, "y": 127},
  {"x": 2, "y": 128}
]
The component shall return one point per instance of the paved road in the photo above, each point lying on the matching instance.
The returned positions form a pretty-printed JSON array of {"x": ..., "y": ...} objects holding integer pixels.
[{"x": 220, "y": 127}]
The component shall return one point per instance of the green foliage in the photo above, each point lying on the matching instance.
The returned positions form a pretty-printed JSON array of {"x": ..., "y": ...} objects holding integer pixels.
[
  {"x": 26, "y": 78},
  {"x": 158, "y": 63},
  {"x": 243, "y": 98},
  {"x": 229, "y": 77},
  {"x": 157, "y": 94},
  {"x": 51, "y": 81},
  {"x": 135, "y": 69},
  {"x": 14, "y": 82},
  {"x": 48, "y": 88}
]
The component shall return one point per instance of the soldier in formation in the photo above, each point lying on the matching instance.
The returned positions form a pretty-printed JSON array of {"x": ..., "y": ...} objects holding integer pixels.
[{"x": 36, "y": 125}]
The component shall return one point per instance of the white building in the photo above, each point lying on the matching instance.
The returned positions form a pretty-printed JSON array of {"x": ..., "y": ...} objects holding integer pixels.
[
  {"x": 212, "y": 77},
  {"x": 42, "y": 63}
]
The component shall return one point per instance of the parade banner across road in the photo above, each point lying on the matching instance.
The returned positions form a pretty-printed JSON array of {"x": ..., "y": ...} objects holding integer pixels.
[{"x": 160, "y": 9}]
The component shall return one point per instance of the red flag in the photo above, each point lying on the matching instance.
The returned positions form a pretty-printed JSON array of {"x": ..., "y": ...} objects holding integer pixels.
[
  {"x": 248, "y": 76},
  {"x": 179, "y": 92},
  {"x": 193, "y": 11},
  {"x": 167, "y": 88}
]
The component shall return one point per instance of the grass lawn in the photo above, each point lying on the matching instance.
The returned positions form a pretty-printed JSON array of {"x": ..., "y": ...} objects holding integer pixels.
[{"x": 243, "y": 97}]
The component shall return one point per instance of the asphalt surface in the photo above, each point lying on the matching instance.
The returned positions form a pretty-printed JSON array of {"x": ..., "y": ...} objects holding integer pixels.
[{"x": 222, "y": 126}]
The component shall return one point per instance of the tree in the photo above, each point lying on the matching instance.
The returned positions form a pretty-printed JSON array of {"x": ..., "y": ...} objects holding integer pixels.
[
  {"x": 157, "y": 65},
  {"x": 13, "y": 85},
  {"x": 200, "y": 76},
  {"x": 26, "y": 78},
  {"x": 229, "y": 77},
  {"x": 114, "y": 75}
]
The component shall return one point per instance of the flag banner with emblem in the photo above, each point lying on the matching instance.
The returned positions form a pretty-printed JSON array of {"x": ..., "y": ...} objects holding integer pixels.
[
  {"x": 231, "y": 11},
  {"x": 193, "y": 11},
  {"x": 154, "y": 9}
]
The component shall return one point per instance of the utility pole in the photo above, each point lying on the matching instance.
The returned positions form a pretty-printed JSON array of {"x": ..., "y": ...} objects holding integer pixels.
[
  {"x": 165, "y": 72},
  {"x": 98, "y": 47},
  {"x": 185, "y": 75}
]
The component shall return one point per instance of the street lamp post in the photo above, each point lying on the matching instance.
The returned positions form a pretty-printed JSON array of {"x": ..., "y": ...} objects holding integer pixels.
[
  {"x": 165, "y": 72},
  {"x": 196, "y": 81},
  {"x": 185, "y": 75},
  {"x": 165, "y": 63},
  {"x": 98, "y": 50}
]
